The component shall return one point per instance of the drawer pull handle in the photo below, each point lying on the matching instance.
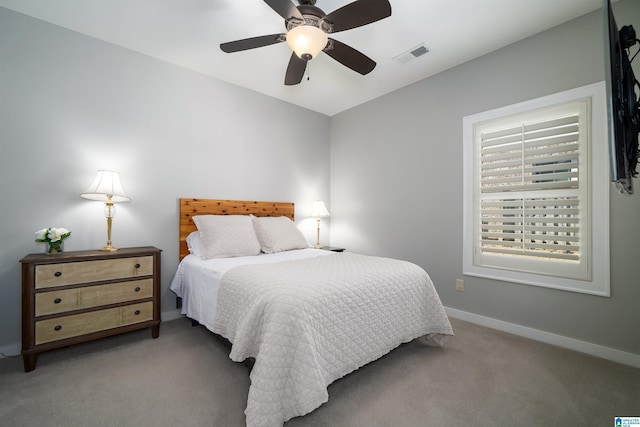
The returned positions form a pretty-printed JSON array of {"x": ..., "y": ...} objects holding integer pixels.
[
  {"x": 137, "y": 265},
  {"x": 57, "y": 300},
  {"x": 57, "y": 327},
  {"x": 137, "y": 312},
  {"x": 137, "y": 289},
  {"x": 57, "y": 274}
]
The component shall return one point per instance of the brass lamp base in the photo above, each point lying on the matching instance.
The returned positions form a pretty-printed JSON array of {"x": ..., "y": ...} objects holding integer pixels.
[
  {"x": 317, "y": 245},
  {"x": 109, "y": 210}
]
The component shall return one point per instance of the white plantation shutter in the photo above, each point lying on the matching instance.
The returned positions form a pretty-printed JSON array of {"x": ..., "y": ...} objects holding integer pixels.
[
  {"x": 529, "y": 160},
  {"x": 546, "y": 227},
  {"x": 532, "y": 194},
  {"x": 536, "y": 192},
  {"x": 531, "y": 157}
]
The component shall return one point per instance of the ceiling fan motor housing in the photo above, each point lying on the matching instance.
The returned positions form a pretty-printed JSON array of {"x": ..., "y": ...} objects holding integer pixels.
[{"x": 313, "y": 16}]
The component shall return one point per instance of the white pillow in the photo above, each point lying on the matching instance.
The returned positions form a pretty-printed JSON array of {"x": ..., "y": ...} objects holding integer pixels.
[
  {"x": 277, "y": 234},
  {"x": 194, "y": 244},
  {"x": 226, "y": 236}
]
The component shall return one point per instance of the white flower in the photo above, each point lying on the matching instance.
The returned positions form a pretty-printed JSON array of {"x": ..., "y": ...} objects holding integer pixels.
[
  {"x": 41, "y": 235},
  {"x": 54, "y": 236}
]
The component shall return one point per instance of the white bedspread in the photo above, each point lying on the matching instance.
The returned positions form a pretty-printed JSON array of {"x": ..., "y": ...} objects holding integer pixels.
[
  {"x": 197, "y": 280},
  {"x": 309, "y": 322}
]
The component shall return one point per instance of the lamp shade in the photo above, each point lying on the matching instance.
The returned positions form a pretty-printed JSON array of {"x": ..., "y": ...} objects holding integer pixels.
[
  {"x": 318, "y": 209},
  {"x": 306, "y": 41},
  {"x": 106, "y": 184}
]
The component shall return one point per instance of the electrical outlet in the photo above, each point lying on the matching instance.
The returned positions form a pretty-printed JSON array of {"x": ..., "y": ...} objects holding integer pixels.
[{"x": 460, "y": 285}]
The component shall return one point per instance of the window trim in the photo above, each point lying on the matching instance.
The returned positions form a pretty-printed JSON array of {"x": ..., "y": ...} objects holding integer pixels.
[{"x": 598, "y": 200}]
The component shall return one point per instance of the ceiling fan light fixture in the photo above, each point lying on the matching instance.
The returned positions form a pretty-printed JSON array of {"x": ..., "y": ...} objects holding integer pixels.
[{"x": 307, "y": 41}]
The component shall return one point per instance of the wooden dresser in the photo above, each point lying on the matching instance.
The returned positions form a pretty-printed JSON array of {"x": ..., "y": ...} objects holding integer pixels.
[{"x": 80, "y": 296}]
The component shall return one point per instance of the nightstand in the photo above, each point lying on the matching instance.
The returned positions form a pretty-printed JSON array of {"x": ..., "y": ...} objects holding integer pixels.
[
  {"x": 332, "y": 248},
  {"x": 80, "y": 296}
]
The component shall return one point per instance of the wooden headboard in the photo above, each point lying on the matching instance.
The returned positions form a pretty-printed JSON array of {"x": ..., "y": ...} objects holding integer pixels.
[{"x": 192, "y": 207}]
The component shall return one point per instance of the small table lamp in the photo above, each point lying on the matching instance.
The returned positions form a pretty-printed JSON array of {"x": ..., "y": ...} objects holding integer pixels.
[
  {"x": 106, "y": 188},
  {"x": 319, "y": 210}
]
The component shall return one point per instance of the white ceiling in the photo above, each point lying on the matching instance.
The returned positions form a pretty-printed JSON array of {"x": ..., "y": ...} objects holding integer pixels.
[{"x": 188, "y": 33}]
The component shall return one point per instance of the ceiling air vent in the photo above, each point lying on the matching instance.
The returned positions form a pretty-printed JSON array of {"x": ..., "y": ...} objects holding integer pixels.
[{"x": 411, "y": 54}]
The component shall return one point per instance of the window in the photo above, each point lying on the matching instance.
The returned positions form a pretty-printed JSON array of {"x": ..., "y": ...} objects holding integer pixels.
[{"x": 536, "y": 192}]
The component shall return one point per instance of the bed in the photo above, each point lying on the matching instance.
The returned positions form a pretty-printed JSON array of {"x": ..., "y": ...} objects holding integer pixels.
[{"x": 306, "y": 316}]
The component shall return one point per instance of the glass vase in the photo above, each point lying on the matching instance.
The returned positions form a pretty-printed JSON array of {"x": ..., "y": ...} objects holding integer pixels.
[{"x": 54, "y": 247}]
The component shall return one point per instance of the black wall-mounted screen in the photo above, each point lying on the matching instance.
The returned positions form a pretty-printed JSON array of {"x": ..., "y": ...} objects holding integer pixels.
[{"x": 623, "y": 103}]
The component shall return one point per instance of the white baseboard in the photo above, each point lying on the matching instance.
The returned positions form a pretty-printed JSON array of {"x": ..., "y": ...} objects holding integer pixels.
[
  {"x": 10, "y": 350},
  {"x": 603, "y": 352},
  {"x": 171, "y": 315}
]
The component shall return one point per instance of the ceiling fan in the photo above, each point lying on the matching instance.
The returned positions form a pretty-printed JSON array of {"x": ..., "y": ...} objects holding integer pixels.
[{"x": 307, "y": 34}]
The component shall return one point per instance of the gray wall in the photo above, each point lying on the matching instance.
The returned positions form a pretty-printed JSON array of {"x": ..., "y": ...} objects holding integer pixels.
[
  {"x": 70, "y": 105},
  {"x": 396, "y": 182}
]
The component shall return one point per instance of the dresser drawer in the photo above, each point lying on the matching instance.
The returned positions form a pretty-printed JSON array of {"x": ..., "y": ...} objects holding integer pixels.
[
  {"x": 80, "y": 324},
  {"x": 70, "y": 273},
  {"x": 94, "y": 296},
  {"x": 56, "y": 302},
  {"x": 61, "y": 301},
  {"x": 136, "y": 313}
]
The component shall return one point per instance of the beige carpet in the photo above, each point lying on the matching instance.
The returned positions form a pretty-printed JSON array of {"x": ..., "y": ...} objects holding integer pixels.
[{"x": 481, "y": 377}]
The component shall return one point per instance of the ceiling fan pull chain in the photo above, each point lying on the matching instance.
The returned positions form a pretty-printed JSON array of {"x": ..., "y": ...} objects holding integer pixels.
[{"x": 308, "y": 70}]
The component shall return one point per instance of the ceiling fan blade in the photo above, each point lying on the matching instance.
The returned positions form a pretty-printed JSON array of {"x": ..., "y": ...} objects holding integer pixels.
[
  {"x": 295, "y": 70},
  {"x": 349, "y": 57},
  {"x": 285, "y": 8},
  {"x": 252, "y": 43},
  {"x": 358, "y": 13}
]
